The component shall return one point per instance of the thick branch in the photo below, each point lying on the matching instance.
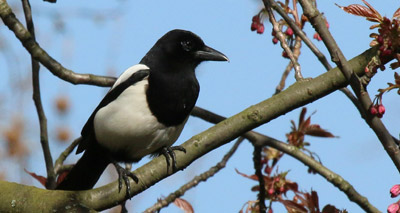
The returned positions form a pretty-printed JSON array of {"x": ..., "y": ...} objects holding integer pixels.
[
  {"x": 28, "y": 41},
  {"x": 374, "y": 122},
  {"x": 295, "y": 96}
]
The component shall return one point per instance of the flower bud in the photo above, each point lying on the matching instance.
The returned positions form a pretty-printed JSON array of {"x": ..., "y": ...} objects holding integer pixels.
[
  {"x": 395, "y": 190},
  {"x": 381, "y": 110},
  {"x": 260, "y": 29},
  {"x": 393, "y": 208},
  {"x": 373, "y": 110},
  {"x": 254, "y": 26},
  {"x": 289, "y": 31}
]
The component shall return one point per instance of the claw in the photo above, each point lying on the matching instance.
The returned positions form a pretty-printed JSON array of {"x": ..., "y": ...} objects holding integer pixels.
[
  {"x": 124, "y": 174},
  {"x": 168, "y": 153}
]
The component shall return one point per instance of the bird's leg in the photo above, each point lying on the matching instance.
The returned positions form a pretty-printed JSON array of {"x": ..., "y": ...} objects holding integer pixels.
[
  {"x": 168, "y": 152},
  {"x": 124, "y": 174}
]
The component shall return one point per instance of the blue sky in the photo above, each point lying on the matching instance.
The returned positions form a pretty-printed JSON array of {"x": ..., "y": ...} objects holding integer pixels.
[{"x": 123, "y": 31}]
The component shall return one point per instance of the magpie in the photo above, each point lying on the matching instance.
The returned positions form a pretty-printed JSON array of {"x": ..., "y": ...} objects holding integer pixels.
[{"x": 144, "y": 112}]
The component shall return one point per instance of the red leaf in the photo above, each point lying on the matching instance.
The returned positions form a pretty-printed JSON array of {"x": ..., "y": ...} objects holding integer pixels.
[
  {"x": 305, "y": 125},
  {"x": 312, "y": 201},
  {"x": 397, "y": 13},
  {"x": 253, "y": 177},
  {"x": 314, "y": 197},
  {"x": 315, "y": 130},
  {"x": 359, "y": 10},
  {"x": 39, "y": 178},
  {"x": 302, "y": 115},
  {"x": 184, "y": 205},
  {"x": 292, "y": 186},
  {"x": 330, "y": 209},
  {"x": 255, "y": 188},
  {"x": 293, "y": 207}
]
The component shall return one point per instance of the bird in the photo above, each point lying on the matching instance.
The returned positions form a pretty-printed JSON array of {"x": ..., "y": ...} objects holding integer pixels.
[{"x": 144, "y": 112}]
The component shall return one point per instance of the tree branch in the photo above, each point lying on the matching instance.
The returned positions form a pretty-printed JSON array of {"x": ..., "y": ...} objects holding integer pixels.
[
  {"x": 321, "y": 57},
  {"x": 44, "y": 139},
  {"x": 297, "y": 95},
  {"x": 60, "y": 160},
  {"x": 299, "y": 32},
  {"x": 318, "y": 22},
  {"x": 261, "y": 140},
  {"x": 28, "y": 41},
  {"x": 149, "y": 174},
  {"x": 260, "y": 176},
  {"x": 329, "y": 175},
  {"x": 284, "y": 44},
  {"x": 196, "y": 180}
]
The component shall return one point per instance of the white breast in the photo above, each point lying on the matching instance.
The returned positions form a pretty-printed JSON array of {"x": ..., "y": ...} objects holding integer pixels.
[{"x": 127, "y": 124}]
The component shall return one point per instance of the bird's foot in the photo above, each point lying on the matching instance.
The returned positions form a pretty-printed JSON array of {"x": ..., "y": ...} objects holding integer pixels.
[
  {"x": 168, "y": 152},
  {"x": 124, "y": 174}
]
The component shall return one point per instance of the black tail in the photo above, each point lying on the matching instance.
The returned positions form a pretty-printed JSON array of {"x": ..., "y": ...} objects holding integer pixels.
[{"x": 86, "y": 171}]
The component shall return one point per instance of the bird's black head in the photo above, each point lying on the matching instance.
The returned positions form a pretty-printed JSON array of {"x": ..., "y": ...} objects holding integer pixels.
[{"x": 181, "y": 48}]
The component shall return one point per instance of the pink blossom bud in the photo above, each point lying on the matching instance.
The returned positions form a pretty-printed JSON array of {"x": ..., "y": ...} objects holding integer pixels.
[
  {"x": 271, "y": 191},
  {"x": 395, "y": 190},
  {"x": 254, "y": 26},
  {"x": 317, "y": 37},
  {"x": 380, "y": 39},
  {"x": 373, "y": 110},
  {"x": 327, "y": 24},
  {"x": 260, "y": 29},
  {"x": 381, "y": 110},
  {"x": 256, "y": 18},
  {"x": 289, "y": 31},
  {"x": 393, "y": 208}
]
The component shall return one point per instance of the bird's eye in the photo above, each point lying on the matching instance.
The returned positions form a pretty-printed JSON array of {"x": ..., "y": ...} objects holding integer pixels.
[{"x": 187, "y": 45}]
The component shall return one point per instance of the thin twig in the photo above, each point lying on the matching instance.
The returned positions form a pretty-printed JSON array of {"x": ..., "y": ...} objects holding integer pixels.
[
  {"x": 196, "y": 180},
  {"x": 64, "y": 168},
  {"x": 321, "y": 57},
  {"x": 28, "y": 41},
  {"x": 318, "y": 22},
  {"x": 260, "y": 176},
  {"x": 60, "y": 160},
  {"x": 298, "y": 31},
  {"x": 285, "y": 74},
  {"x": 50, "y": 183},
  {"x": 262, "y": 140},
  {"x": 284, "y": 44}
]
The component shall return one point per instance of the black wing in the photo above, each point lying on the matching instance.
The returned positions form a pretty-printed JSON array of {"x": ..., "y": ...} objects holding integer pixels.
[{"x": 88, "y": 130}]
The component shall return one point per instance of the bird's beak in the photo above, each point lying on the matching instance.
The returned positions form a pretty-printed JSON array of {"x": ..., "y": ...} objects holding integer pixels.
[{"x": 209, "y": 54}]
